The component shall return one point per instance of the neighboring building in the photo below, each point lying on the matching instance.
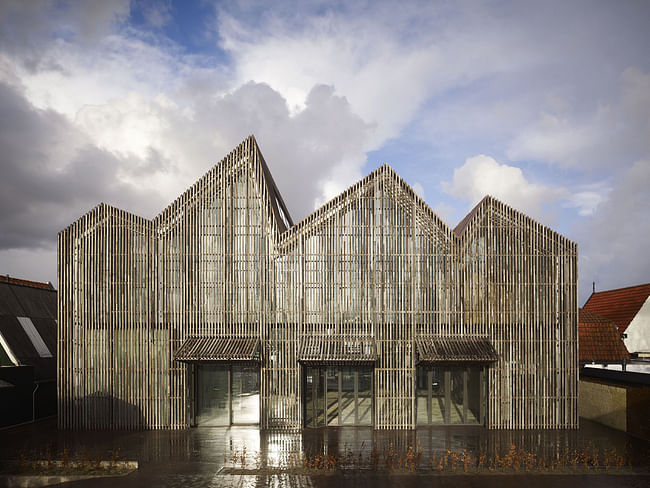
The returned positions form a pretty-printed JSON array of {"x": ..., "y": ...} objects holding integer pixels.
[
  {"x": 370, "y": 311},
  {"x": 27, "y": 350},
  {"x": 618, "y": 399},
  {"x": 599, "y": 340},
  {"x": 629, "y": 309}
]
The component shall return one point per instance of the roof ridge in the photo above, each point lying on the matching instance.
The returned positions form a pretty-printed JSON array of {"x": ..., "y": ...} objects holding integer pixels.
[
  {"x": 384, "y": 168},
  {"x": 470, "y": 216},
  {"x": 621, "y": 289},
  {"x": 23, "y": 282}
]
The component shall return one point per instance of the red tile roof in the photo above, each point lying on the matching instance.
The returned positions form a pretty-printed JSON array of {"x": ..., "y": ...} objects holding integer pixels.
[
  {"x": 17, "y": 281},
  {"x": 620, "y": 306},
  {"x": 599, "y": 340}
]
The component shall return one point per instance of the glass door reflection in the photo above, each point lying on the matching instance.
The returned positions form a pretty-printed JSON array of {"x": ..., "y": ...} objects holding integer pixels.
[
  {"x": 213, "y": 398},
  {"x": 227, "y": 394},
  {"x": 450, "y": 395},
  {"x": 245, "y": 394},
  {"x": 337, "y": 396}
]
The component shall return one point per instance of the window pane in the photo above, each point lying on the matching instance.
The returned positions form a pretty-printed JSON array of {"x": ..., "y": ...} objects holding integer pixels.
[
  {"x": 245, "y": 394},
  {"x": 422, "y": 393},
  {"x": 456, "y": 393},
  {"x": 347, "y": 396},
  {"x": 332, "y": 396},
  {"x": 474, "y": 396},
  {"x": 212, "y": 392},
  {"x": 364, "y": 396},
  {"x": 311, "y": 387},
  {"x": 438, "y": 400}
]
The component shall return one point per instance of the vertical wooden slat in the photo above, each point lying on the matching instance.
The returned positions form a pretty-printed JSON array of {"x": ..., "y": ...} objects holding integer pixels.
[{"x": 374, "y": 261}]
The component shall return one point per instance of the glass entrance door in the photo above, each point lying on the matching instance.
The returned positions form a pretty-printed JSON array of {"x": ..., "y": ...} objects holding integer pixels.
[
  {"x": 337, "y": 396},
  {"x": 450, "y": 395},
  {"x": 245, "y": 394},
  {"x": 227, "y": 394},
  {"x": 213, "y": 395}
]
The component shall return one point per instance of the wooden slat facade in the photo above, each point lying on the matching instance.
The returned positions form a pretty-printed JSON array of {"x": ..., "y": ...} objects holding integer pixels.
[
  {"x": 325, "y": 350},
  {"x": 218, "y": 349},
  {"x": 437, "y": 350},
  {"x": 225, "y": 261}
]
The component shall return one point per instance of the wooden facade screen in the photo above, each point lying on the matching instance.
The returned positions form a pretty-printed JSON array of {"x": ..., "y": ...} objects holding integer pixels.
[
  {"x": 224, "y": 261},
  {"x": 218, "y": 349},
  {"x": 316, "y": 350},
  {"x": 464, "y": 350}
]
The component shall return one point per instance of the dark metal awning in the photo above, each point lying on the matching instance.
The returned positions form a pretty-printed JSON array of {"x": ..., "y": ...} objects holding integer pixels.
[
  {"x": 326, "y": 350},
  {"x": 206, "y": 349},
  {"x": 455, "y": 350}
]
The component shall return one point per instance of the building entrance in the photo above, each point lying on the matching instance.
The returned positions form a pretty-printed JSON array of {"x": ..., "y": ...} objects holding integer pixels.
[
  {"x": 336, "y": 395},
  {"x": 227, "y": 394},
  {"x": 450, "y": 395}
]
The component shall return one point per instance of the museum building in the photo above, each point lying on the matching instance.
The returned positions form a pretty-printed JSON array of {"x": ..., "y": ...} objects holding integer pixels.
[{"x": 370, "y": 311}]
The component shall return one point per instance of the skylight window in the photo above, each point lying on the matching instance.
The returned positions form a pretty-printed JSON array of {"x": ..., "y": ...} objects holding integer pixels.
[
  {"x": 6, "y": 351},
  {"x": 35, "y": 337}
]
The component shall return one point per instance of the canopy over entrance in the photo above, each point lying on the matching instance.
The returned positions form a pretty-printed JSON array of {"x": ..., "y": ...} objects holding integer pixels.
[
  {"x": 218, "y": 349},
  {"x": 346, "y": 350},
  {"x": 437, "y": 350}
]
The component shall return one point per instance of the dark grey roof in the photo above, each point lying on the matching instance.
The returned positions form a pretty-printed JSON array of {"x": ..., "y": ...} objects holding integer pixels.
[
  {"x": 9, "y": 304},
  {"x": 433, "y": 349},
  {"x": 462, "y": 225},
  {"x": 196, "y": 349},
  {"x": 36, "y": 302},
  {"x": 337, "y": 350},
  {"x": 277, "y": 203}
]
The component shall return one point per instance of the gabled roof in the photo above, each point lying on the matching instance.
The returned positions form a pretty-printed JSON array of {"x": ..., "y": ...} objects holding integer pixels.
[
  {"x": 28, "y": 312},
  {"x": 287, "y": 230},
  {"x": 326, "y": 211},
  {"x": 234, "y": 162},
  {"x": 505, "y": 211},
  {"x": 103, "y": 210},
  {"x": 599, "y": 339},
  {"x": 277, "y": 203},
  {"x": 462, "y": 225},
  {"x": 620, "y": 305}
]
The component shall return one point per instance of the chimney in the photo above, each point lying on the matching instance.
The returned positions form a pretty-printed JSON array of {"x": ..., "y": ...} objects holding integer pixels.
[{"x": 593, "y": 283}]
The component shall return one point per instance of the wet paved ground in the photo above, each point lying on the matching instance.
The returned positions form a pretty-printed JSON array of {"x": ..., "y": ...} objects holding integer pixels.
[{"x": 194, "y": 457}]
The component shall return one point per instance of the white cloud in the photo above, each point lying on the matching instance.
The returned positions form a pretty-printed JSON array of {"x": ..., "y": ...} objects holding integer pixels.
[
  {"x": 384, "y": 82},
  {"x": 387, "y": 62},
  {"x": 418, "y": 188},
  {"x": 613, "y": 133},
  {"x": 320, "y": 86},
  {"x": 588, "y": 198},
  {"x": 445, "y": 212},
  {"x": 167, "y": 117},
  {"x": 614, "y": 240},
  {"x": 157, "y": 13},
  {"x": 482, "y": 175}
]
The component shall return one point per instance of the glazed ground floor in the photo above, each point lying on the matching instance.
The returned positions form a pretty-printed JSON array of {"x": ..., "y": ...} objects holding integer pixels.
[{"x": 223, "y": 394}]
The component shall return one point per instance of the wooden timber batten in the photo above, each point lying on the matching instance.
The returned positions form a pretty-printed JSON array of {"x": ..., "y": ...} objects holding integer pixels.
[
  {"x": 327, "y": 350},
  {"x": 438, "y": 350},
  {"x": 224, "y": 260},
  {"x": 218, "y": 349}
]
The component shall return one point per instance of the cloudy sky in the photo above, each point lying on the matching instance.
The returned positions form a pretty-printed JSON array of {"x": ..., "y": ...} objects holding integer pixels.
[{"x": 545, "y": 105}]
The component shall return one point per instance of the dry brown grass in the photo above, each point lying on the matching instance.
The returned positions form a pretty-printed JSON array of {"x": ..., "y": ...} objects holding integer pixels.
[{"x": 410, "y": 459}]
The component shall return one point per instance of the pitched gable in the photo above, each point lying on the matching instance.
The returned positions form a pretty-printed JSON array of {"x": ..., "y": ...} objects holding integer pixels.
[{"x": 620, "y": 305}]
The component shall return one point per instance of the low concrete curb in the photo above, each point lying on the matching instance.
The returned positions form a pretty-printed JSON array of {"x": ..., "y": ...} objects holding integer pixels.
[{"x": 121, "y": 468}]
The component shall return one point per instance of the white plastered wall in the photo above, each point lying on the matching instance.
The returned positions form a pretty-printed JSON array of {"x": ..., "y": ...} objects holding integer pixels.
[{"x": 638, "y": 332}]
